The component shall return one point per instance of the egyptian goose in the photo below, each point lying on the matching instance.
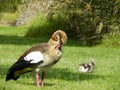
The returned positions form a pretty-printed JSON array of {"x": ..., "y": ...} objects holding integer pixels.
[{"x": 39, "y": 58}]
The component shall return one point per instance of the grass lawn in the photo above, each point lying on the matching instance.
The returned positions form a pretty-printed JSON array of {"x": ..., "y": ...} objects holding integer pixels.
[{"x": 64, "y": 75}]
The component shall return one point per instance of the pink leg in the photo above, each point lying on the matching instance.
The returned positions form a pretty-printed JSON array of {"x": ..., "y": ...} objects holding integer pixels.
[
  {"x": 37, "y": 79},
  {"x": 43, "y": 74}
]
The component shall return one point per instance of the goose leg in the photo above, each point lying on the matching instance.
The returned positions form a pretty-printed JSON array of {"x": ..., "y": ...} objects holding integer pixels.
[
  {"x": 42, "y": 84},
  {"x": 37, "y": 79}
]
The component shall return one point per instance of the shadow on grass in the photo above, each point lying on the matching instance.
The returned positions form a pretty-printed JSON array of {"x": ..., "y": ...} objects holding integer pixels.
[
  {"x": 19, "y": 40},
  {"x": 53, "y": 73},
  {"x": 65, "y": 74},
  {"x": 61, "y": 74}
]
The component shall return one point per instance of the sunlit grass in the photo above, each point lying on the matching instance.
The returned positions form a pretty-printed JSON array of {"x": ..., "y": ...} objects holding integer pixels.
[
  {"x": 64, "y": 75},
  {"x": 8, "y": 18}
]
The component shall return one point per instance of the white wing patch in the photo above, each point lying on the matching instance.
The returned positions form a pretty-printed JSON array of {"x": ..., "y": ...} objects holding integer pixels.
[{"x": 34, "y": 57}]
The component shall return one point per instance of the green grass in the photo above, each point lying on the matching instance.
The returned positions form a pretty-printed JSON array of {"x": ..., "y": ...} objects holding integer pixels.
[
  {"x": 111, "y": 40},
  {"x": 64, "y": 75},
  {"x": 43, "y": 25},
  {"x": 39, "y": 26},
  {"x": 8, "y": 18}
]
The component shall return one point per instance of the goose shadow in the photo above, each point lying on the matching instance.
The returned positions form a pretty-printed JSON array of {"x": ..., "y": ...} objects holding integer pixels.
[
  {"x": 53, "y": 73},
  {"x": 62, "y": 74}
]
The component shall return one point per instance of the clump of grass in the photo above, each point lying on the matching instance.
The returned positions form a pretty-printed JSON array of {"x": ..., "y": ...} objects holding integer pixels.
[
  {"x": 45, "y": 25},
  {"x": 111, "y": 40},
  {"x": 8, "y": 18},
  {"x": 39, "y": 27}
]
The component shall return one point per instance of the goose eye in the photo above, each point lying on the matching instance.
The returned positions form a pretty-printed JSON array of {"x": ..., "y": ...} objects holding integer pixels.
[{"x": 61, "y": 42}]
